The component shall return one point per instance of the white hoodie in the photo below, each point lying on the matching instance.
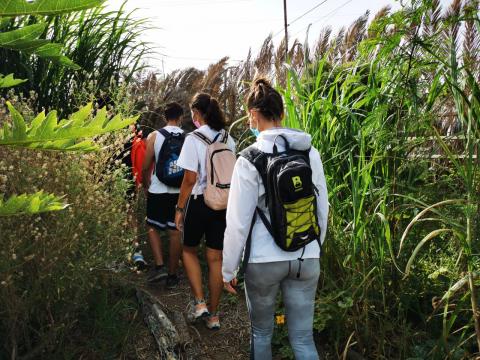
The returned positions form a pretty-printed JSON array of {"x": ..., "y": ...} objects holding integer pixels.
[{"x": 247, "y": 192}]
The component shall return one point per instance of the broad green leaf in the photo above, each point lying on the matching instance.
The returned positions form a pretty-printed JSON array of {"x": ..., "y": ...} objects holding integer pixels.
[
  {"x": 44, "y": 7},
  {"x": 26, "y": 39},
  {"x": 46, "y": 128},
  {"x": 19, "y": 128},
  {"x": 9, "y": 81},
  {"x": 30, "y": 204},
  {"x": 28, "y": 46},
  {"x": 74, "y": 134},
  {"x": 65, "y": 145},
  {"x": 16, "y": 39},
  {"x": 35, "y": 124}
]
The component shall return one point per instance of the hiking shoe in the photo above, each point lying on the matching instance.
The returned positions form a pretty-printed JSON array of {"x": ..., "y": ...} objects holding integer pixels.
[
  {"x": 212, "y": 321},
  {"x": 139, "y": 261},
  {"x": 158, "y": 273},
  {"x": 200, "y": 309},
  {"x": 172, "y": 281}
]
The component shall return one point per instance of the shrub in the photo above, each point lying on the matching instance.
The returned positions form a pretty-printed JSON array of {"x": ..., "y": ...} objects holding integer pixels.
[{"x": 52, "y": 264}]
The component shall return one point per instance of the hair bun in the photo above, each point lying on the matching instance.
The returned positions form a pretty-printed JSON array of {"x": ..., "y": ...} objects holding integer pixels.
[
  {"x": 262, "y": 81},
  {"x": 264, "y": 98}
]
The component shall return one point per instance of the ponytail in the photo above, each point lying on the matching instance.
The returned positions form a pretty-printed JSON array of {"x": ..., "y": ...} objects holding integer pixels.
[
  {"x": 264, "y": 98},
  {"x": 210, "y": 110}
]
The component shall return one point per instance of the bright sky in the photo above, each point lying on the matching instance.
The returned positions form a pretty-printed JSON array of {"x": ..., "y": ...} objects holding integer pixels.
[{"x": 199, "y": 32}]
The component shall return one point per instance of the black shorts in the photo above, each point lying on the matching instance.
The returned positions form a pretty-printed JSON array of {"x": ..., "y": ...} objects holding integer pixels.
[
  {"x": 200, "y": 220},
  {"x": 161, "y": 210}
]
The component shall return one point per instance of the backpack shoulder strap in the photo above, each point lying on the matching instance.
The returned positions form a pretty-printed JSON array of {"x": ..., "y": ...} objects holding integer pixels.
[
  {"x": 202, "y": 137},
  {"x": 164, "y": 132},
  {"x": 248, "y": 245},
  {"x": 225, "y": 136},
  {"x": 305, "y": 154},
  {"x": 258, "y": 159},
  {"x": 222, "y": 135},
  {"x": 265, "y": 221}
]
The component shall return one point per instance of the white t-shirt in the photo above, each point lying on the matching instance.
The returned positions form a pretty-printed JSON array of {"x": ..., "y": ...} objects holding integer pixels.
[
  {"x": 193, "y": 156},
  {"x": 156, "y": 186}
]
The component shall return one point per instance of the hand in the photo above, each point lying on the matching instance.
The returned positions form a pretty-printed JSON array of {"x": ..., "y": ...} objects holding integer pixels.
[
  {"x": 179, "y": 220},
  {"x": 229, "y": 286}
]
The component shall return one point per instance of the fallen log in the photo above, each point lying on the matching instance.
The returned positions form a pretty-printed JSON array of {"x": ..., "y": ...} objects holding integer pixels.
[{"x": 160, "y": 326}]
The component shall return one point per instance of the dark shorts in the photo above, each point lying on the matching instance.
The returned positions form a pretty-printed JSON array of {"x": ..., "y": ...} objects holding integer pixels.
[
  {"x": 200, "y": 220},
  {"x": 161, "y": 210}
]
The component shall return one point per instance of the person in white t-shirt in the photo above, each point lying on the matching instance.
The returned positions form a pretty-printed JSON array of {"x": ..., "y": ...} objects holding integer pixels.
[
  {"x": 194, "y": 217},
  {"x": 161, "y": 201}
]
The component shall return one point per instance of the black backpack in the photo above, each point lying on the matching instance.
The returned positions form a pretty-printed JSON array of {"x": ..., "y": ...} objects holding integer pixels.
[
  {"x": 291, "y": 196},
  {"x": 166, "y": 168}
]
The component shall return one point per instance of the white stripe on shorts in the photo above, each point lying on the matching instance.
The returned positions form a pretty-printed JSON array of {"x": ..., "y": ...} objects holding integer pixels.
[{"x": 159, "y": 224}]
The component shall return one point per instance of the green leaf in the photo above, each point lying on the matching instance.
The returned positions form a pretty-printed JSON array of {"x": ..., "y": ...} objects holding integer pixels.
[
  {"x": 30, "y": 204},
  {"x": 26, "y": 39},
  {"x": 420, "y": 215},
  {"x": 428, "y": 237},
  {"x": 9, "y": 81},
  {"x": 20, "y": 38},
  {"x": 44, "y": 7},
  {"x": 53, "y": 52},
  {"x": 74, "y": 134},
  {"x": 19, "y": 128}
]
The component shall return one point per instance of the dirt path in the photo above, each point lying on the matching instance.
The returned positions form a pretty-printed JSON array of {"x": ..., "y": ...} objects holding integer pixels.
[{"x": 230, "y": 342}]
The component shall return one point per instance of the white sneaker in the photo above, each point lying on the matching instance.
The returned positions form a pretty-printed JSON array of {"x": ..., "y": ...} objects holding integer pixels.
[
  {"x": 139, "y": 261},
  {"x": 201, "y": 309},
  {"x": 197, "y": 309}
]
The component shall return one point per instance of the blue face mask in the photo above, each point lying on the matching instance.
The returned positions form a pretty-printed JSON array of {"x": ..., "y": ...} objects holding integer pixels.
[{"x": 255, "y": 132}]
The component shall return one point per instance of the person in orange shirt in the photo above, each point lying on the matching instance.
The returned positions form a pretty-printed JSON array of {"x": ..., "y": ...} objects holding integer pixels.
[{"x": 137, "y": 154}]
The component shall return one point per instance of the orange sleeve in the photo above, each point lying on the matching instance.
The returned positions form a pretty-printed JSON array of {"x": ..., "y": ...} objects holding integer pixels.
[{"x": 138, "y": 154}]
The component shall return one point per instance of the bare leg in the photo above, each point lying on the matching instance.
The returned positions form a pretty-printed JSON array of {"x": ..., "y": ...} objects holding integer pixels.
[
  {"x": 194, "y": 272},
  {"x": 175, "y": 251},
  {"x": 155, "y": 245},
  {"x": 215, "y": 279}
]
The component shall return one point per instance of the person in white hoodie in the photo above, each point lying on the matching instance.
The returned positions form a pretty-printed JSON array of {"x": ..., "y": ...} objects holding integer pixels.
[{"x": 270, "y": 268}]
